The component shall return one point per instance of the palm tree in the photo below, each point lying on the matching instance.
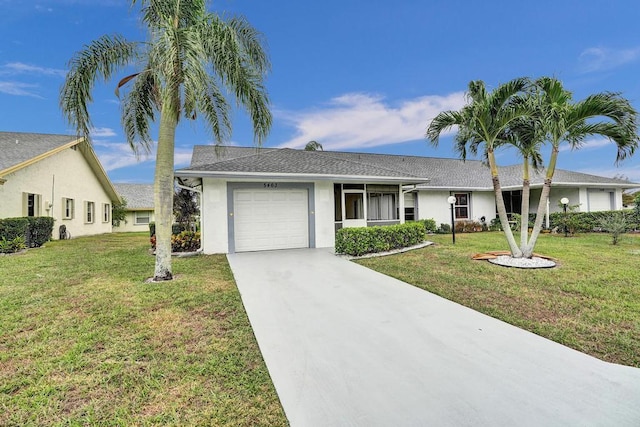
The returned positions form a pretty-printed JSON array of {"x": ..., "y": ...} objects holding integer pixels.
[
  {"x": 313, "y": 146},
  {"x": 606, "y": 114},
  {"x": 191, "y": 59},
  {"x": 526, "y": 134},
  {"x": 484, "y": 121}
]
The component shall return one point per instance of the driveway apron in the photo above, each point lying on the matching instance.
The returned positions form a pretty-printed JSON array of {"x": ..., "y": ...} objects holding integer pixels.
[{"x": 346, "y": 346}]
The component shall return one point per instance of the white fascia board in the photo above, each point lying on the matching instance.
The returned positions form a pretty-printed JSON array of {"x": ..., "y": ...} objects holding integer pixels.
[
  {"x": 446, "y": 188},
  {"x": 299, "y": 176}
]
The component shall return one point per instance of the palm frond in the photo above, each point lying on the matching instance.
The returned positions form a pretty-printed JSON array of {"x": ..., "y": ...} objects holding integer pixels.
[
  {"x": 443, "y": 122},
  {"x": 139, "y": 106},
  {"x": 98, "y": 60}
]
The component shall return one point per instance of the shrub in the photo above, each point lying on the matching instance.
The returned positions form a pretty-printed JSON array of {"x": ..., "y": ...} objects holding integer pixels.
[
  {"x": 468, "y": 226},
  {"x": 10, "y": 228},
  {"x": 175, "y": 228},
  {"x": 586, "y": 221},
  {"x": 185, "y": 241},
  {"x": 40, "y": 231},
  {"x": 34, "y": 230},
  {"x": 444, "y": 229},
  {"x": 429, "y": 225},
  {"x": 616, "y": 225},
  {"x": 11, "y": 246},
  {"x": 363, "y": 240}
]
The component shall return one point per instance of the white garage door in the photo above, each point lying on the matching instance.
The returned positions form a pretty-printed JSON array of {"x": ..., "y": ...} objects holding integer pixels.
[
  {"x": 266, "y": 219},
  {"x": 599, "y": 200}
]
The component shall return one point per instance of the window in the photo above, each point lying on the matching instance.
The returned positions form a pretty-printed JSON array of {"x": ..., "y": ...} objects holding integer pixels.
[
  {"x": 106, "y": 212},
  {"x": 354, "y": 205},
  {"x": 67, "y": 208},
  {"x": 142, "y": 217},
  {"x": 462, "y": 205},
  {"x": 90, "y": 208},
  {"x": 31, "y": 204},
  {"x": 410, "y": 206},
  {"x": 382, "y": 202},
  {"x": 512, "y": 201}
]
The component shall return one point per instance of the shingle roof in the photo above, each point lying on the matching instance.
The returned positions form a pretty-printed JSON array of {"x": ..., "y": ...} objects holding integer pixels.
[
  {"x": 19, "y": 147},
  {"x": 432, "y": 171},
  {"x": 138, "y": 196}
]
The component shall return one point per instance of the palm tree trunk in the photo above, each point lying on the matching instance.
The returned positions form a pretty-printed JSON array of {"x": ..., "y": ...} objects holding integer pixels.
[
  {"x": 524, "y": 214},
  {"x": 163, "y": 189},
  {"x": 542, "y": 204},
  {"x": 502, "y": 211}
]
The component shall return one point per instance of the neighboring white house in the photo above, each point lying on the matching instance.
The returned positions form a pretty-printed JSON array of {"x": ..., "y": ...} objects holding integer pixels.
[
  {"x": 262, "y": 199},
  {"x": 57, "y": 176},
  {"x": 140, "y": 210}
]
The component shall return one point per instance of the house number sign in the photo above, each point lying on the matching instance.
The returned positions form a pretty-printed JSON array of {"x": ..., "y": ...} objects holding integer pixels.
[{"x": 270, "y": 185}]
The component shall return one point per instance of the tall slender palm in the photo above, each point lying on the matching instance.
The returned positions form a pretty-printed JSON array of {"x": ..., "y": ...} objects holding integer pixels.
[
  {"x": 606, "y": 114},
  {"x": 192, "y": 59},
  {"x": 526, "y": 134},
  {"x": 483, "y": 121}
]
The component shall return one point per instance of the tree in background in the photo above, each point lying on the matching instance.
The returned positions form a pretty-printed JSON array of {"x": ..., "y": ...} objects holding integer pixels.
[
  {"x": 313, "y": 146},
  {"x": 191, "y": 61},
  {"x": 118, "y": 212},
  {"x": 185, "y": 208}
]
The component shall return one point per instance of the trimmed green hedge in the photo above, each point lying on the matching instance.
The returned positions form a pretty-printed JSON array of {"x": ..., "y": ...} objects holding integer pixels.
[
  {"x": 34, "y": 231},
  {"x": 10, "y": 228},
  {"x": 40, "y": 230},
  {"x": 582, "y": 222},
  {"x": 364, "y": 240}
]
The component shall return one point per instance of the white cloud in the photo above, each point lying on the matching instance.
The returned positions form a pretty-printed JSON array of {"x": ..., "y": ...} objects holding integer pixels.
[
  {"x": 117, "y": 155},
  {"x": 602, "y": 58},
  {"x": 14, "y": 68},
  {"x": 589, "y": 144},
  {"x": 358, "y": 120},
  {"x": 18, "y": 89},
  {"x": 102, "y": 132}
]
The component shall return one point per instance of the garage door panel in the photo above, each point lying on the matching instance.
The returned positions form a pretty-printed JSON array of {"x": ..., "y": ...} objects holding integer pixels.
[
  {"x": 599, "y": 200},
  {"x": 267, "y": 219}
]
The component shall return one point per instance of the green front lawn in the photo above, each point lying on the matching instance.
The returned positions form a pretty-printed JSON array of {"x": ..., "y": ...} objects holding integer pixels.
[
  {"x": 590, "y": 302},
  {"x": 83, "y": 341}
]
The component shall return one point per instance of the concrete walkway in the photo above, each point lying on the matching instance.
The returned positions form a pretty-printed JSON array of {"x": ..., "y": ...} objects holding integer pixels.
[{"x": 346, "y": 346}]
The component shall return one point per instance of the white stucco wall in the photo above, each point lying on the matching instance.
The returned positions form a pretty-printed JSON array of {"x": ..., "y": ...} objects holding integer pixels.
[
  {"x": 577, "y": 196},
  {"x": 325, "y": 216},
  {"x": 74, "y": 179},
  {"x": 130, "y": 224},
  {"x": 433, "y": 204}
]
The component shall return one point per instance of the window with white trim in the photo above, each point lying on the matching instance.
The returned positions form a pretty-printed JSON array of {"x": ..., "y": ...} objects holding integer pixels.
[
  {"x": 462, "y": 205},
  {"x": 106, "y": 212},
  {"x": 31, "y": 204},
  {"x": 142, "y": 217},
  {"x": 90, "y": 211},
  {"x": 67, "y": 208}
]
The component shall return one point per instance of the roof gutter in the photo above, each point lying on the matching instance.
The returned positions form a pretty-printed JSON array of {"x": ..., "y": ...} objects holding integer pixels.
[{"x": 299, "y": 176}]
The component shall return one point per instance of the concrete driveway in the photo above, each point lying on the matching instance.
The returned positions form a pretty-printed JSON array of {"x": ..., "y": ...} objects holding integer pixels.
[{"x": 346, "y": 346}]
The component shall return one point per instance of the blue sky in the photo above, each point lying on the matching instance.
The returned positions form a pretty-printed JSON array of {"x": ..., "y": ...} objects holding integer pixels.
[{"x": 353, "y": 75}]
